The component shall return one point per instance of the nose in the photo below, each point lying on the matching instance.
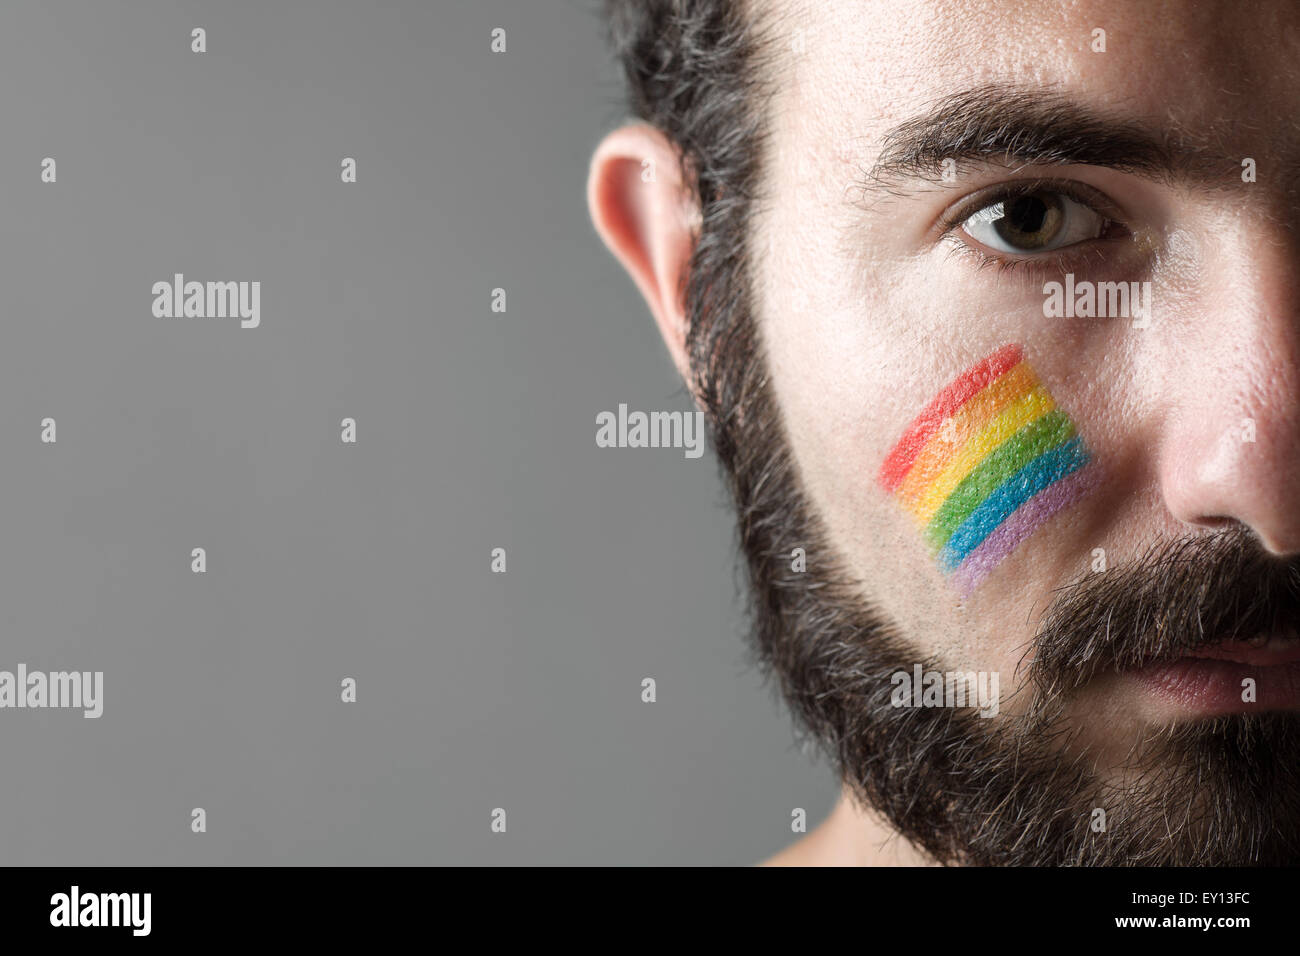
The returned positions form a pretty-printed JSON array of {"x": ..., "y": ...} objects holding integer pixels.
[{"x": 1230, "y": 452}]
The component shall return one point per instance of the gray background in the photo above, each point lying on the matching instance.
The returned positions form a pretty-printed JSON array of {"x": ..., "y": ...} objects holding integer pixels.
[{"x": 476, "y": 430}]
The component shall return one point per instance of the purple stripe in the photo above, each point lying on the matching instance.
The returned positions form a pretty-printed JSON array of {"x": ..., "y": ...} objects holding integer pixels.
[{"x": 1018, "y": 526}]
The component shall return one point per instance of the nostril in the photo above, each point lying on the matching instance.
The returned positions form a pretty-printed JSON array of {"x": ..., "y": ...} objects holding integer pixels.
[{"x": 1216, "y": 522}]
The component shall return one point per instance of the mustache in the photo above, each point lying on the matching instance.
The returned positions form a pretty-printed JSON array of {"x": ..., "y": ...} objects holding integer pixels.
[{"x": 1187, "y": 593}]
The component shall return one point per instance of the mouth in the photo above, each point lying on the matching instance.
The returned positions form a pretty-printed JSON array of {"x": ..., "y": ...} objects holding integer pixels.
[{"x": 1230, "y": 677}]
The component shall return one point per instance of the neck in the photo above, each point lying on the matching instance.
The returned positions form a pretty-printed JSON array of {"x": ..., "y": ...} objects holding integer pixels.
[{"x": 850, "y": 836}]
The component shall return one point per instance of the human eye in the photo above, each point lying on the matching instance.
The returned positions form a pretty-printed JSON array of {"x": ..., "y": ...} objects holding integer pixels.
[{"x": 1017, "y": 223}]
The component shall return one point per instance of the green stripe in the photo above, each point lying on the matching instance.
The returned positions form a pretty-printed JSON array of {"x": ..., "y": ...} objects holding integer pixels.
[{"x": 1043, "y": 434}]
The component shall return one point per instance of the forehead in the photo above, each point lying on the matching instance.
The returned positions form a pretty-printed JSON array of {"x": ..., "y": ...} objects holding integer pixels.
[{"x": 854, "y": 68}]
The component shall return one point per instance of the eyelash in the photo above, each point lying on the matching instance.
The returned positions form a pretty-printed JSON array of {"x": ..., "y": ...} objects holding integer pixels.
[{"x": 950, "y": 223}]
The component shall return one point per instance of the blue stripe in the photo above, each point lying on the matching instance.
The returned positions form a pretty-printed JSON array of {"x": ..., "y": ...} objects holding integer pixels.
[{"x": 1010, "y": 495}]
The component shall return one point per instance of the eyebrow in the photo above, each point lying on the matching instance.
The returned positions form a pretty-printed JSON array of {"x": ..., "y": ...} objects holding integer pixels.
[{"x": 1014, "y": 126}]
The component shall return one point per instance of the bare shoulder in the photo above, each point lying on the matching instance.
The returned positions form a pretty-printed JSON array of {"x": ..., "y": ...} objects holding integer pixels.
[
  {"x": 800, "y": 853},
  {"x": 829, "y": 844},
  {"x": 849, "y": 837}
]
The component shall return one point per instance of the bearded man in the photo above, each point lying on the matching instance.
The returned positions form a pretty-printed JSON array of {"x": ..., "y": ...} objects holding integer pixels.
[{"x": 993, "y": 309}]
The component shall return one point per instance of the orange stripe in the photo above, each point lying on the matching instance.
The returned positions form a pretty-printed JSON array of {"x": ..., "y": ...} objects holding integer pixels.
[
  {"x": 965, "y": 386},
  {"x": 966, "y": 424},
  {"x": 1026, "y": 409}
]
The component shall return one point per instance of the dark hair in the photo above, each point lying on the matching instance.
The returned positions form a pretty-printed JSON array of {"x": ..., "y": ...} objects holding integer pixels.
[
  {"x": 1222, "y": 791},
  {"x": 699, "y": 71},
  {"x": 694, "y": 72}
]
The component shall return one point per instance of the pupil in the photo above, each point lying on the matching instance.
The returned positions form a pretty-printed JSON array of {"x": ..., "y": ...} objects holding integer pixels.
[
  {"x": 1027, "y": 214},
  {"x": 1030, "y": 221}
]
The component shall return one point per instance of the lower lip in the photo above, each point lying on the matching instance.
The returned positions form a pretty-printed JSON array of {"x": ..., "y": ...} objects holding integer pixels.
[{"x": 1211, "y": 686}]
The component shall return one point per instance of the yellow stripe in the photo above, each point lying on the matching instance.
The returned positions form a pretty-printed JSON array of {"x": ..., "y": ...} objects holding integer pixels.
[
  {"x": 1016, "y": 416},
  {"x": 966, "y": 423}
]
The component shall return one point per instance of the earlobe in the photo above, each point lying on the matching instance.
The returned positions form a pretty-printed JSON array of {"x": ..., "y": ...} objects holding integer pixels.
[{"x": 647, "y": 218}]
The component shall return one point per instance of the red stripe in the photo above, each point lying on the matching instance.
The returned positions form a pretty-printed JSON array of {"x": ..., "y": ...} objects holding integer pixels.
[{"x": 975, "y": 379}]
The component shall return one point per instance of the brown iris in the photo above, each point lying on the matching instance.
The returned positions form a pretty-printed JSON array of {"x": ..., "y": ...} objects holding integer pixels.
[{"x": 1030, "y": 221}]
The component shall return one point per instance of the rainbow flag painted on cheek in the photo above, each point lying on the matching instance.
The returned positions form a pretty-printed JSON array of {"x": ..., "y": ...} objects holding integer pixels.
[{"x": 985, "y": 463}]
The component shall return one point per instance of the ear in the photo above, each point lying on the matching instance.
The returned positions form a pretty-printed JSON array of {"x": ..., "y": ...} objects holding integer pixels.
[{"x": 648, "y": 219}]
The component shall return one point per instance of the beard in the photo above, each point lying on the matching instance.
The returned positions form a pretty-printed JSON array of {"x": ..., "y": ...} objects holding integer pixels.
[
  {"x": 1012, "y": 790},
  {"x": 1022, "y": 790}
]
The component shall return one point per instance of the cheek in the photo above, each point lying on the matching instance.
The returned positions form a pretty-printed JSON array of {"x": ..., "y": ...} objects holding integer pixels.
[
  {"x": 987, "y": 462},
  {"x": 830, "y": 378},
  {"x": 990, "y": 459},
  {"x": 833, "y": 350},
  {"x": 855, "y": 353}
]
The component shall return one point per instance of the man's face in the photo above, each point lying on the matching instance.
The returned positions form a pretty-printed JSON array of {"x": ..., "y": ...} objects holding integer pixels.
[
  {"x": 872, "y": 297},
  {"x": 1024, "y": 407}
]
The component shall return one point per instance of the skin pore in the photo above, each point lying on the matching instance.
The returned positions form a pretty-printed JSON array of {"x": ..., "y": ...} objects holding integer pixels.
[{"x": 870, "y": 297}]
